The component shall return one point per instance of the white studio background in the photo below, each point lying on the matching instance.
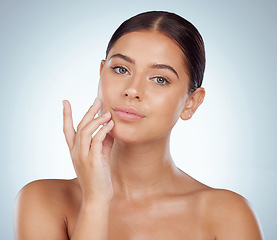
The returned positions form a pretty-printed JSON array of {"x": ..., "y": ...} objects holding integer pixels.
[{"x": 51, "y": 50}]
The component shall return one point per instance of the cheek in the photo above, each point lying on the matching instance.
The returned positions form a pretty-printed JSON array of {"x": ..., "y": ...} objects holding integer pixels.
[
  {"x": 107, "y": 89},
  {"x": 170, "y": 105},
  {"x": 163, "y": 118}
]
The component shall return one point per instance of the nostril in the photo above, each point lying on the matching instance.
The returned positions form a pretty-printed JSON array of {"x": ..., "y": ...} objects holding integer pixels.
[{"x": 132, "y": 94}]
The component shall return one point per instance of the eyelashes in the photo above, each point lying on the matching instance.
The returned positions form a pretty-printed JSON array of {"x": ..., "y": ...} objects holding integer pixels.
[
  {"x": 124, "y": 71},
  {"x": 161, "y": 80},
  {"x": 120, "y": 70}
]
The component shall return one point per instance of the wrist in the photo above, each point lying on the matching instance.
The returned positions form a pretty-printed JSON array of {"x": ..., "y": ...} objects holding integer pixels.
[{"x": 95, "y": 204}]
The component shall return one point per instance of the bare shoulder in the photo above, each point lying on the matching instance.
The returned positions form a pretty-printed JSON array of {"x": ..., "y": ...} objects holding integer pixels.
[
  {"x": 40, "y": 209},
  {"x": 231, "y": 215},
  {"x": 221, "y": 200},
  {"x": 50, "y": 192},
  {"x": 44, "y": 187},
  {"x": 226, "y": 214}
]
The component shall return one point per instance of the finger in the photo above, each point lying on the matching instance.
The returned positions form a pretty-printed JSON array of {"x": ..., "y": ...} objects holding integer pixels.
[
  {"x": 97, "y": 141},
  {"x": 68, "y": 128},
  {"x": 93, "y": 110},
  {"x": 107, "y": 145},
  {"x": 86, "y": 133}
]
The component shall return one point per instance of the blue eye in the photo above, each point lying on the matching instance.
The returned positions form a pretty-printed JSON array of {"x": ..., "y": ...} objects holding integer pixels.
[
  {"x": 120, "y": 70},
  {"x": 161, "y": 80}
]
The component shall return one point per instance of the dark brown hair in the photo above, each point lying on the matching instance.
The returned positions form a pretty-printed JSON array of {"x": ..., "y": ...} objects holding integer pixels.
[{"x": 178, "y": 29}]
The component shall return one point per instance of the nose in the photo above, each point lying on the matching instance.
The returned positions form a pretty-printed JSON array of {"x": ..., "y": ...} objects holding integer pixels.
[{"x": 134, "y": 89}]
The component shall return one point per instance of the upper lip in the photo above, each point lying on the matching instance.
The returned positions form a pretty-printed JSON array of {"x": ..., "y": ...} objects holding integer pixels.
[{"x": 126, "y": 109}]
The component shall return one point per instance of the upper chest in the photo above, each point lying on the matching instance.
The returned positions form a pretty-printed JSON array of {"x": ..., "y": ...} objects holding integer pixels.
[
  {"x": 176, "y": 218},
  {"x": 179, "y": 217}
]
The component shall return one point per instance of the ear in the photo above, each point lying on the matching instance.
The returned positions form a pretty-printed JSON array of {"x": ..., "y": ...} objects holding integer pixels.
[
  {"x": 193, "y": 102},
  {"x": 102, "y": 65}
]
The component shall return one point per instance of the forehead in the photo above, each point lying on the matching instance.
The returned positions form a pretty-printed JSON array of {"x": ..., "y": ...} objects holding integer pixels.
[{"x": 150, "y": 47}]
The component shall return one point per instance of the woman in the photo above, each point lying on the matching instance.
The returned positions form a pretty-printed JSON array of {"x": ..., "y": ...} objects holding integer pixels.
[{"x": 127, "y": 185}]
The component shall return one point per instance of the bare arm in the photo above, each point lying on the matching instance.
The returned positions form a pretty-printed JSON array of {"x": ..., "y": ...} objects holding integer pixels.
[
  {"x": 91, "y": 160},
  {"x": 92, "y": 222}
]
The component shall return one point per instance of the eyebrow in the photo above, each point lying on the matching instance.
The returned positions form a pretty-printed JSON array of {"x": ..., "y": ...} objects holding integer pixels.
[
  {"x": 164, "y": 66},
  {"x": 122, "y": 57},
  {"x": 154, "y": 66}
]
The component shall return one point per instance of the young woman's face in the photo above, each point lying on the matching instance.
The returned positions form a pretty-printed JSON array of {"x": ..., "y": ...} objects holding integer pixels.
[{"x": 144, "y": 84}]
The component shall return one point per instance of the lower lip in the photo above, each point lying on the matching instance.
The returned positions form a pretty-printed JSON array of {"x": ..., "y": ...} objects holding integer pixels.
[{"x": 129, "y": 117}]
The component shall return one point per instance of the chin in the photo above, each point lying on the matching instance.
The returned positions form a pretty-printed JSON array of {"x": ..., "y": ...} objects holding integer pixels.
[
  {"x": 127, "y": 135},
  {"x": 136, "y": 134}
]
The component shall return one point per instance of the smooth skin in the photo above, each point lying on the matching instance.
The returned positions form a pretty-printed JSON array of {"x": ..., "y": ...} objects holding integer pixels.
[{"x": 127, "y": 185}]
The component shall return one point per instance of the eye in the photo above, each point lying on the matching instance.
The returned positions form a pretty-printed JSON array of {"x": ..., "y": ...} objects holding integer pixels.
[
  {"x": 161, "y": 80},
  {"x": 120, "y": 70}
]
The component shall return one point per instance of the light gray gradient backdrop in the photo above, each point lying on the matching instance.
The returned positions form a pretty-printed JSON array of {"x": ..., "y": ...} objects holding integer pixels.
[{"x": 51, "y": 50}]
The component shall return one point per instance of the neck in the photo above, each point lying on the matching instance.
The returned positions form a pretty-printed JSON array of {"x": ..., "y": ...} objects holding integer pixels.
[{"x": 141, "y": 169}]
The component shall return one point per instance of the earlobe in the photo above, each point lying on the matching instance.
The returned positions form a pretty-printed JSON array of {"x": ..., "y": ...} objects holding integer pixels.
[
  {"x": 186, "y": 113},
  {"x": 192, "y": 103},
  {"x": 102, "y": 65}
]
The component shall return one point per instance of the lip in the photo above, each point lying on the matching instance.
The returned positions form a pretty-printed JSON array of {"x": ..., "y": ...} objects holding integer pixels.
[{"x": 129, "y": 114}]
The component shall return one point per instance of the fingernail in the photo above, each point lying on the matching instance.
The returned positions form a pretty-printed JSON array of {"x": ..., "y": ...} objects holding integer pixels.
[
  {"x": 63, "y": 103},
  {"x": 110, "y": 122},
  {"x": 95, "y": 101},
  {"x": 107, "y": 114}
]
